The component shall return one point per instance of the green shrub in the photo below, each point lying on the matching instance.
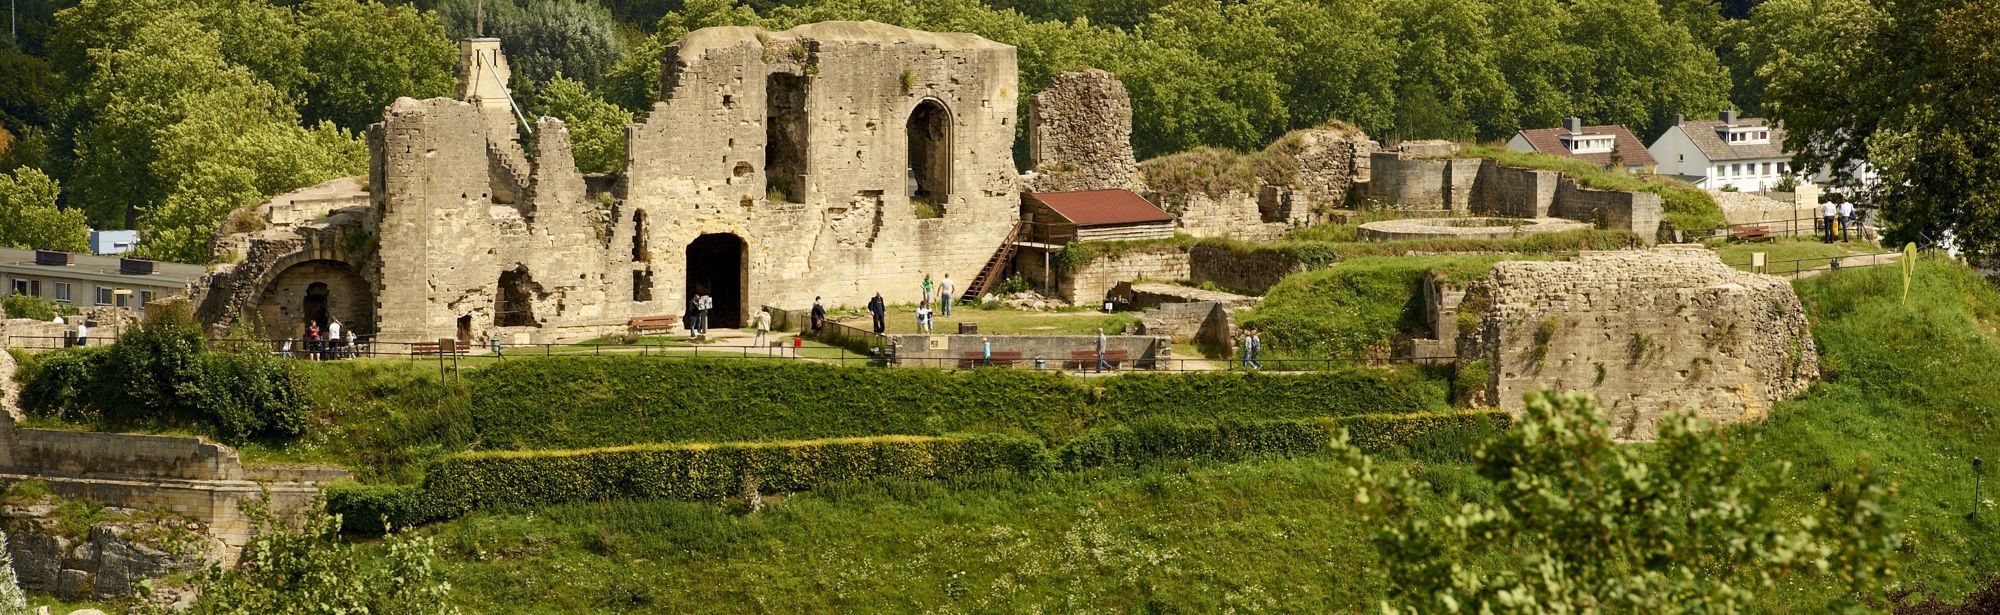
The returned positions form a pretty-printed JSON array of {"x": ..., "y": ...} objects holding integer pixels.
[
  {"x": 1358, "y": 306},
  {"x": 475, "y": 481},
  {"x": 1317, "y": 254},
  {"x": 33, "y": 308},
  {"x": 364, "y": 508},
  {"x": 160, "y": 375},
  {"x": 1076, "y": 255},
  {"x": 1468, "y": 383}
]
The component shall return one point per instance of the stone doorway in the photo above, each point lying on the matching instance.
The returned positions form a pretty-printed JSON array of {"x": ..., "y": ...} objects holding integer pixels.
[
  {"x": 716, "y": 264},
  {"x": 514, "y": 305},
  {"x": 315, "y": 307}
]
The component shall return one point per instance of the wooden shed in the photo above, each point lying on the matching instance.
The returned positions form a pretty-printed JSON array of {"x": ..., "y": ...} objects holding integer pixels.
[{"x": 1093, "y": 215}]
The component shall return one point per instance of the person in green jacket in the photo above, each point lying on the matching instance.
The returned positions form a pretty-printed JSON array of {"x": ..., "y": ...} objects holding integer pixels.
[{"x": 927, "y": 290}]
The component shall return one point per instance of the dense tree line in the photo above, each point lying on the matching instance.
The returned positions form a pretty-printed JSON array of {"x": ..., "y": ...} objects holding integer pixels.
[{"x": 165, "y": 114}]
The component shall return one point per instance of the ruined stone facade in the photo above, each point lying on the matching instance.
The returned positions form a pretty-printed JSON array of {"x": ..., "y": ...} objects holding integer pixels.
[
  {"x": 1080, "y": 135},
  {"x": 1321, "y": 169},
  {"x": 1416, "y": 180},
  {"x": 1648, "y": 332},
  {"x": 835, "y": 160}
]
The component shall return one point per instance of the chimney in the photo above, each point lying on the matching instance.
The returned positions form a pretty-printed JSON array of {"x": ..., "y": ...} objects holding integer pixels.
[
  {"x": 1679, "y": 119},
  {"x": 1573, "y": 124},
  {"x": 1729, "y": 117}
]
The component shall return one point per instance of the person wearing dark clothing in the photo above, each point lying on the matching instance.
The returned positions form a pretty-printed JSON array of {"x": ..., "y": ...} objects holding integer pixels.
[
  {"x": 881, "y": 313},
  {"x": 818, "y": 316}
]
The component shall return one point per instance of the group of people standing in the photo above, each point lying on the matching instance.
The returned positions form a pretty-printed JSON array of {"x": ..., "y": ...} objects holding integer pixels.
[
  {"x": 878, "y": 309},
  {"x": 1837, "y": 211},
  {"x": 697, "y": 313},
  {"x": 324, "y": 344}
]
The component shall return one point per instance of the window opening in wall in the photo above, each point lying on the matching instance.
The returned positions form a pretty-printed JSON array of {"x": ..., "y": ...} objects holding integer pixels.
[
  {"x": 62, "y": 291},
  {"x": 640, "y": 254},
  {"x": 642, "y": 285},
  {"x": 785, "y": 135},
  {"x": 929, "y": 131},
  {"x": 716, "y": 265},
  {"x": 515, "y": 304},
  {"x": 104, "y": 296},
  {"x": 465, "y": 328},
  {"x": 20, "y": 287}
]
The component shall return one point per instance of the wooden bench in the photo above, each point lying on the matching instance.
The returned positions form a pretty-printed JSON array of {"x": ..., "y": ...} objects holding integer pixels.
[
  {"x": 431, "y": 348},
  {"x": 1087, "y": 359},
  {"x": 1751, "y": 233},
  {"x": 644, "y": 324},
  {"x": 1001, "y": 358}
]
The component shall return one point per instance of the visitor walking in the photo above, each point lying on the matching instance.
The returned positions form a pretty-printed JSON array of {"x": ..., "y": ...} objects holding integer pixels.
[
  {"x": 924, "y": 316},
  {"x": 927, "y": 289},
  {"x": 691, "y": 317},
  {"x": 763, "y": 327},
  {"x": 1846, "y": 219},
  {"x": 1102, "y": 342},
  {"x": 82, "y": 332},
  {"x": 947, "y": 295},
  {"x": 985, "y": 351},
  {"x": 1251, "y": 344},
  {"x": 880, "y": 311},
  {"x": 493, "y": 344},
  {"x": 818, "y": 316},
  {"x": 1828, "y": 211}
]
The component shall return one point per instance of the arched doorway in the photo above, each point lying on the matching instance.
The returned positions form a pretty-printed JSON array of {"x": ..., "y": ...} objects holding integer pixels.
[
  {"x": 715, "y": 265},
  {"x": 514, "y": 304},
  {"x": 929, "y": 130},
  {"x": 315, "y": 291}
]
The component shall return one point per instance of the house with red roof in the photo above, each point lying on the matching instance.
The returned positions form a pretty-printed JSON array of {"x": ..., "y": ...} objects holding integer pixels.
[{"x": 1606, "y": 146}]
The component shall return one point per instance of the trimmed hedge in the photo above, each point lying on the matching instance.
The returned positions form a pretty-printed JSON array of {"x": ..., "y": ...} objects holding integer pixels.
[
  {"x": 1210, "y": 397},
  {"x": 1429, "y": 436},
  {"x": 583, "y": 402},
  {"x": 697, "y": 471},
  {"x": 485, "y": 480}
]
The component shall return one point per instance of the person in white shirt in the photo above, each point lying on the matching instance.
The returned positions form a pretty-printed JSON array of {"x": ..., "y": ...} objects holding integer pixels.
[
  {"x": 1846, "y": 219},
  {"x": 82, "y": 333},
  {"x": 763, "y": 326},
  {"x": 947, "y": 294},
  {"x": 924, "y": 317},
  {"x": 333, "y": 338},
  {"x": 1827, "y": 212}
]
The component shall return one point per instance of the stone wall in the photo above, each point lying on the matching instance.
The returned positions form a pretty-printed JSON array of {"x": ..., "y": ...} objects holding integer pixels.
[
  {"x": 1639, "y": 212},
  {"x": 110, "y": 560},
  {"x": 1094, "y": 281},
  {"x": 1080, "y": 135},
  {"x": 1234, "y": 215},
  {"x": 1465, "y": 186},
  {"x": 1648, "y": 332},
  {"x": 1252, "y": 272},
  {"x": 1516, "y": 192},
  {"x": 915, "y": 350}
]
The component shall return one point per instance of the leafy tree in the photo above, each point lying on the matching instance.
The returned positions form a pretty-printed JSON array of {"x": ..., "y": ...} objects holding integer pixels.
[
  {"x": 1581, "y": 524},
  {"x": 30, "y": 219},
  {"x": 1643, "y": 69},
  {"x": 361, "y": 56},
  {"x": 1448, "y": 84},
  {"x": 312, "y": 571},
  {"x": 1907, "y": 87},
  {"x": 634, "y": 82},
  {"x": 545, "y": 38},
  {"x": 1549, "y": 72},
  {"x": 28, "y": 90},
  {"x": 215, "y": 163},
  {"x": 596, "y": 128}
]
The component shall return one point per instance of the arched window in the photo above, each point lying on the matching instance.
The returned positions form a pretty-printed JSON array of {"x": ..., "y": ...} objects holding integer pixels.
[{"x": 929, "y": 129}]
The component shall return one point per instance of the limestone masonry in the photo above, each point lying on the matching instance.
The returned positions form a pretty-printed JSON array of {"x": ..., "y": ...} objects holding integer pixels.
[
  {"x": 1080, "y": 135},
  {"x": 1648, "y": 332},
  {"x": 835, "y": 159}
]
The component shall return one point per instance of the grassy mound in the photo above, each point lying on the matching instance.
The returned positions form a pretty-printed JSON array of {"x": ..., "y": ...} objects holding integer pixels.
[
  {"x": 1357, "y": 307},
  {"x": 1684, "y": 206}
]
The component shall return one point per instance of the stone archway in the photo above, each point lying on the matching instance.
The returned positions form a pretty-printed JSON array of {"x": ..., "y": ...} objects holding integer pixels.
[
  {"x": 717, "y": 264},
  {"x": 929, "y": 131},
  {"x": 315, "y": 291}
]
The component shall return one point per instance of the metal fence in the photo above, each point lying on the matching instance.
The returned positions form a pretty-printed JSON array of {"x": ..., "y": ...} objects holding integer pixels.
[{"x": 1807, "y": 267}]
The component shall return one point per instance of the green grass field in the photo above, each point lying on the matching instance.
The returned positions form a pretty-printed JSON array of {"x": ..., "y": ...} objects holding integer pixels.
[
  {"x": 1909, "y": 388},
  {"x": 1780, "y": 254}
]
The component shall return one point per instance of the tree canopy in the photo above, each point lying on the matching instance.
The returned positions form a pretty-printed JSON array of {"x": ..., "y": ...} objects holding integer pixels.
[{"x": 33, "y": 221}]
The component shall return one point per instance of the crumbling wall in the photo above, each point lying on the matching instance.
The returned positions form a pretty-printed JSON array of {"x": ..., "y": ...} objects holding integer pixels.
[
  {"x": 1089, "y": 284},
  {"x": 1080, "y": 135},
  {"x": 1639, "y": 212},
  {"x": 1515, "y": 192},
  {"x": 1648, "y": 332},
  {"x": 1233, "y": 215}
]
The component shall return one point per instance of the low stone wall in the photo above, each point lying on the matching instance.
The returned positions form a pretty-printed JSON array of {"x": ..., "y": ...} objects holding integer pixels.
[
  {"x": 1235, "y": 215},
  {"x": 122, "y": 455},
  {"x": 35, "y": 334},
  {"x": 1639, "y": 212},
  {"x": 1251, "y": 272},
  {"x": 1516, "y": 192},
  {"x": 1091, "y": 283},
  {"x": 1209, "y": 323},
  {"x": 916, "y": 350}
]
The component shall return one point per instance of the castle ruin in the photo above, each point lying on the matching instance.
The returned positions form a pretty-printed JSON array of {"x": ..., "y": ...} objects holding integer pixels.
[{"x": 835, "y": 159}]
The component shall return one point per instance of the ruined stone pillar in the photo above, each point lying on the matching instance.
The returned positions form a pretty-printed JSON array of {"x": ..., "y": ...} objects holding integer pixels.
[{"x": 1080, "y": 135}]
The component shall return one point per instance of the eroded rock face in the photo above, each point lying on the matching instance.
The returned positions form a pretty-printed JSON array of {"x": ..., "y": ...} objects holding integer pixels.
[
  {"x": 1080, "y": 135},
  {"x": 1649, "y": 332},
  {"x": 110, "y": 560}
]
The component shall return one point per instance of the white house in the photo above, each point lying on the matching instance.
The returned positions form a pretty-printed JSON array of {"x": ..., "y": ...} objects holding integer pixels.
[
  {"x": 1603, "y": 146},
  {"x": 1745, "y": 153}
]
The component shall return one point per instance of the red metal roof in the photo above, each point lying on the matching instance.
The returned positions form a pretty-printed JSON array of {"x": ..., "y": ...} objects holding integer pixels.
[{"x": 1094, "y": 207}]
